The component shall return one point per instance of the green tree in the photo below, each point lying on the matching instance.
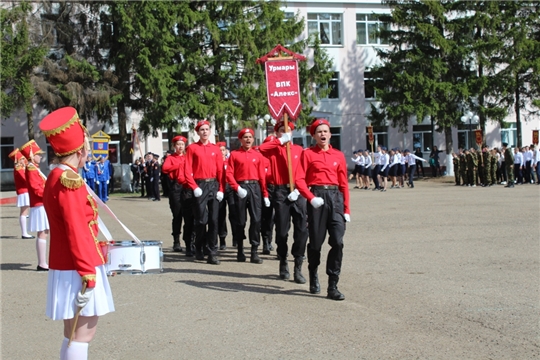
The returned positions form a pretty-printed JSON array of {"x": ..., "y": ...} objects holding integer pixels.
[{"x": 20, "y": 54}]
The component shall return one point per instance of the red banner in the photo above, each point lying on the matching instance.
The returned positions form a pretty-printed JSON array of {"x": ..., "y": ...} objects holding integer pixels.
[
  {"x": 283, "y": 88},
  {"x": 369, "y": 130},
  {"x": 535, "y": 137},
  {"x": 479, "y": 137}
]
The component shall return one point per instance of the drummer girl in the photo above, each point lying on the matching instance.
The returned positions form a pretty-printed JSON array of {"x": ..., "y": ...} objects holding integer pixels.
[
  {"x": 75, "y": 257},
  {"x": 23, "y": 200}
]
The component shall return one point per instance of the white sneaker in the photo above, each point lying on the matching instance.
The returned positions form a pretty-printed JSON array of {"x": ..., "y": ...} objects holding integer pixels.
[
  {"x": 503, "y": 182},
  {"x": 474, "y": 186}
]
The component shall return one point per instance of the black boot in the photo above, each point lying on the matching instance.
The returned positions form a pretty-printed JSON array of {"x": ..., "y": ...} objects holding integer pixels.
[
  {"x": 240, "y": 257},
  {"x": 333, "y": 292},
  {"x": 255, "y": 259},
  {"x": 222, "y": 245},
  {"x": 190, "y": 249},
  {"x": 314, "y": 286},
  {"x": 266, "y": 247},
  {"x": 176, "y": 243},
  {"x": 284, "y": 270},
  {"x": 199, "y": 254},
  {"x": 212, "y": 259},
  {"x": 298, "y": 277}
]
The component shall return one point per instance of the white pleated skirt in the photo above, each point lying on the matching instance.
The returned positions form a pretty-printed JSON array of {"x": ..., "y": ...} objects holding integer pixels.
[
  {"x": 23, "y": 200},
  {"x": 63, "y": 287},
  {"x": 38, "y": 219}
]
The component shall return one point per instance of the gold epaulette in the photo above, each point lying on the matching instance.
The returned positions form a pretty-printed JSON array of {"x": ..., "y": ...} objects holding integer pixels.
[
  {"x": 71, "y": 180},
  {"x": 19, "y": 167},
  {"x": 31, "y": 167}
]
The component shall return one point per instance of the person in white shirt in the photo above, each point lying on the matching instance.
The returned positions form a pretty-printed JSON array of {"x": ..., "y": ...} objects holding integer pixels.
[
  {"x": 527, "y": 165},
  {"x": 366, "y": 175},
  {"x": 377, "y": 167},
  {"x": 393, "y": 167},
  {"x": 411, "y": 160},
  {"x": 358, "y": 161},
  {"x": 536, "y": 162},
  {"x": 518, "y": 166},
  {"x": 402, "y": 170},
  {"x": 384, "y": 162}
]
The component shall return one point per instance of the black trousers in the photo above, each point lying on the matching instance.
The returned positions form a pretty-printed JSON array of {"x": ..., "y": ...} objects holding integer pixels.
[
  {"x": 157, "y": 194},
  {"x": 285, "y": 210},
  {"x": 412, "y": 168},
  {"x": 252, "y": 203},
  {"x": 175, "y": 204},
  {"x": 205, "y": 214},
  {"x": 267, "y": 221},
  {"x": 326, "y": 219},
  {"x": 376, "y": 171},
  {"x": 150, "y": 188},
  {"x": 228, "y": 201},
  {"x": 144, "y": 180},
  {"x": 187, "y": 214}
]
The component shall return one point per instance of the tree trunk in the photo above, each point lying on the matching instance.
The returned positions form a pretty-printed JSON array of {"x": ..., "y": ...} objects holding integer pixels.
[
  {"x": 449, "y": 150},
  {"x": 518, "y": 114},
  {"x": 125, "y": 155},
  {"x": 30, "y": 122}
]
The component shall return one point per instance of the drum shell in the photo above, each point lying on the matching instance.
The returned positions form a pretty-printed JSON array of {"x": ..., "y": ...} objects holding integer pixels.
[{"x": 128, "y": 257}]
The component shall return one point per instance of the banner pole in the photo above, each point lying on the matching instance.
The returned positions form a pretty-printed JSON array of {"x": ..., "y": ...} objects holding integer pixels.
[{"x": 288, "y": 145}]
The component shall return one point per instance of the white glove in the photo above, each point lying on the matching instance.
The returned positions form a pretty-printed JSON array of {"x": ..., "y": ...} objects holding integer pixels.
[
  {"x": 317, "y": 202},
  {"x": 267, "y": 202},
  {"x": 219, "y": 196},
  {"x": 294, "y": 195},
  {"x": 82, "y": 299},
  {"x": 197, "y": 192},
  {"x": 97, "y": 182},
  {"x": 285, "y": 138},
  {"x": 86, "y": 181},
  {"x": 151, "y": 179},
  {"x": 242, "y": 193},
  {"x": 347, "y": 217},
  {"x": 107, "y": 182}
]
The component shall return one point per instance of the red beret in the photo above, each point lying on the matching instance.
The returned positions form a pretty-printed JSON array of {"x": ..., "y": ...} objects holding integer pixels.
[
  {"x": 201, "y": 123},
  {"x": 221, "y": 143},
  {"x": 315, "y": 124},
  {"x": 179, "y": 138},
  {"x": 245, "y": 131},
  {"x": 64, "y": 130},
  {"x": 282, "y": 123},
  {"x": 30, "y": 149},
  {"x": 15, "y": 155},
  {"x": 269, "y": 138}
]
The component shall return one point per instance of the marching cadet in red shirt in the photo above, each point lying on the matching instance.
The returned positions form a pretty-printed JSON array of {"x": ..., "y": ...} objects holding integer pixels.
[
  {"x": 203, "y": 171},
  {"x": 287, "y": 204},
  {"x": 267, "y": 216},
  {"x": 228, "y": 201},
  {"x": 172, "y": 166},
  {"x": 321, "y": 178},
  {"x": 246, "y": 175},
  {"x": 35, "y": 181},
  {"x": 23, "y": 200},
  {"x": 76, "y": 257}
]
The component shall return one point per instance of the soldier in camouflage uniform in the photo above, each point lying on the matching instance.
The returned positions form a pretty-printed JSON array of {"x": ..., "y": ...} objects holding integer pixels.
[
  {"x": 480, "y": 167},
  {"x": 486, "y": 167},
  {"x": 455, "y": 162},
  {"x": 472, "y": 164},
  {"x": 494, "y": 165},
  {"x": 463, "y": 167},
  {"x": 509, "y": 164}
]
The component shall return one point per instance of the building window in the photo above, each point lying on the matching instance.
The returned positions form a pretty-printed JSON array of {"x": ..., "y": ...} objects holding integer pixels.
[
  {"x": 335, "y": 140},
  {"x": 113, "y": 152},
  {"x": 509, "y": 134},
  {"x": 327, "y": 27},
  {"x": 380, "y": 137},
  {"x": 333, "y": 86},
  {"x": 422, "y": 137},
  {"x": 367, "y": 28},
  {"x": 369, "y": 85},
  {"x": 6, "y": 147}
]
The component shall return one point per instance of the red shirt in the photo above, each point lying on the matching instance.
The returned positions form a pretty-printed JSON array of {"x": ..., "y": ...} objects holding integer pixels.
[
  {"x": 318, "y": 167},
  {"x": 246, "y": 165},
  {"x": 277, "y": 154},
  {"x": 203, "y": 162},
  {"x": 268, "y": 170},
  {"x": 174, "y": 167},
  {"x": 72, "y": 214},
  {"x": 19, "y": 176},
  {"x": 36, "y": 184}
]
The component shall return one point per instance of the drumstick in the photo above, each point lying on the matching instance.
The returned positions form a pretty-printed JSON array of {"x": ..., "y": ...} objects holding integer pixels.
[{"x": 76, "y": 317}]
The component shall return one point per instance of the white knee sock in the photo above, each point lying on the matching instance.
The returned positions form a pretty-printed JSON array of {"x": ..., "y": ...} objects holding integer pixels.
[
  {"x": 63, "y": 349},
  {"x": 22, "y": 222},
  {"x": 41, "y": 248},
  {"x": 77, "y": 351}
]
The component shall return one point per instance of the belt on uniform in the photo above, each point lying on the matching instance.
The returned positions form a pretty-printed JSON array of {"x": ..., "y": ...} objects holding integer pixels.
[
  {"x": 248, "y": 182},
  {"x": 206, "y": 180},
  {"x": 285, "y": 186},
  {"x": 324, "y": 187}
]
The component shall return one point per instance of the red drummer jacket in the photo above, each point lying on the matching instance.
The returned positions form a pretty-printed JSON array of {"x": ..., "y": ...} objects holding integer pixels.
[
  {"x": 36, "y": 184},
  {"x": 73, "y": 220},
  {"x": 19, "y": 176}
]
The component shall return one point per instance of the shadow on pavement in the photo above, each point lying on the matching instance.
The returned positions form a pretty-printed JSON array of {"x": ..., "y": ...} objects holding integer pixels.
[
  {"x": 16, "y": 266},
  {"x": 236, "y": 287},
  {"x": 8, "y": 237}
]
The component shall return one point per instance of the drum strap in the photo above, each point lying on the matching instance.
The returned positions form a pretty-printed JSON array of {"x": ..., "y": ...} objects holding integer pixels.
[{"x": 101, "y": 224}]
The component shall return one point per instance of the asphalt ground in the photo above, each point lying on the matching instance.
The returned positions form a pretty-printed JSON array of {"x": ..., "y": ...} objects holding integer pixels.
[{"x": 435, "y": 272}]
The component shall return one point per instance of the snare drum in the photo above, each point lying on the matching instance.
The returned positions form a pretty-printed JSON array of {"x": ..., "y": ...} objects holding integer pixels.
[{"x": 127, "y": 257}]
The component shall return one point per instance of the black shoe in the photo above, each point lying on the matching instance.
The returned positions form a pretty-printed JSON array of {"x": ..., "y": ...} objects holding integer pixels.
[
  {"x": 213, "y": 260},
  {"x": 266, "y": 251},
  {"x": 241, "y": 257},
  {"x": 27, "y": 237},
  {"x": 222, "y": 245},
  {"x": 199, "y": 255},
  {"x": 39, "y": 268},
  {"x": 177, "y": 247},
  {"x": 156, "y": 199},
  {"x": 298, "y": 277},
  {"x": 255, "y": 259},
  {"x": 284, "y": 270},
  {"x": 333, "y": 292},
  {"x": 314, "y": 286}
]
